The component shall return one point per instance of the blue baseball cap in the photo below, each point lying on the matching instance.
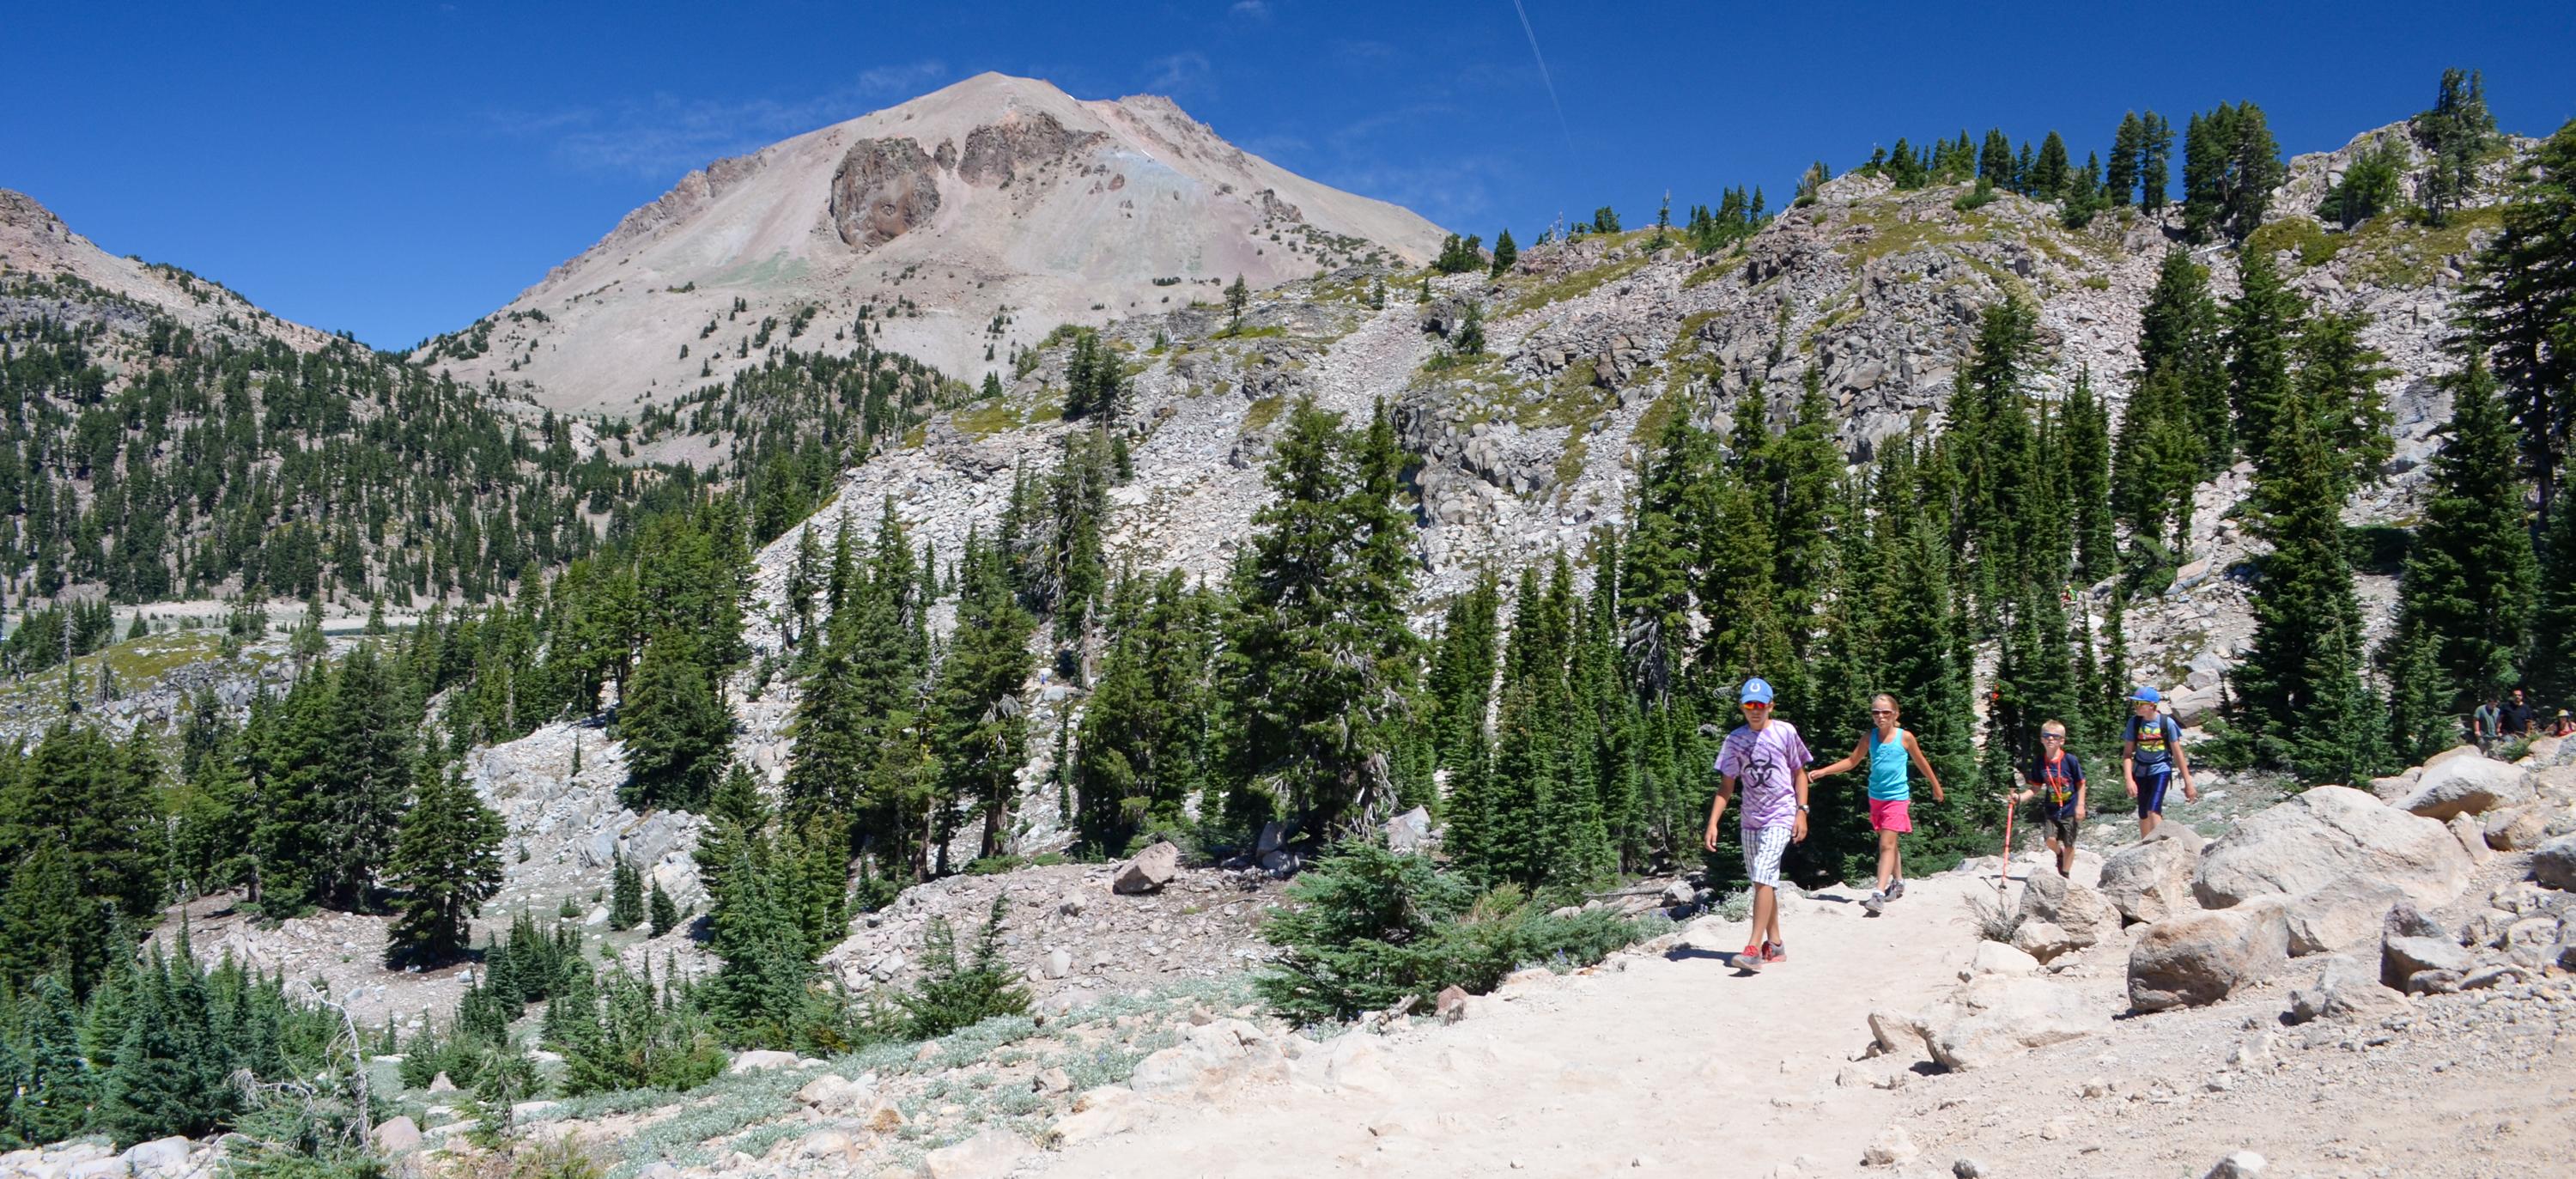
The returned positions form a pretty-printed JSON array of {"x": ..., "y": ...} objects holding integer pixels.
[
  {"x": 2146, "y": 695},
  {"x": 1755, "y": 691}
]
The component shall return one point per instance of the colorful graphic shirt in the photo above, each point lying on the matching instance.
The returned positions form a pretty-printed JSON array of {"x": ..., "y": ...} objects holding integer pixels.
[
  {"x": 1764, "y": 766},
  {"x": 2155, "y": 740},
  {"x": 2057, "y": 781}
]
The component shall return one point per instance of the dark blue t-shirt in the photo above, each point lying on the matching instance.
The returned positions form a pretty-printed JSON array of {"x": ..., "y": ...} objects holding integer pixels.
[{"x": 2058, "y": 783}]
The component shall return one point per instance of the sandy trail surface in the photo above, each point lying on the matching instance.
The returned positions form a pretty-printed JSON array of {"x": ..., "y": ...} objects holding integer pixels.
[{"x": 1677, "y": 1064}]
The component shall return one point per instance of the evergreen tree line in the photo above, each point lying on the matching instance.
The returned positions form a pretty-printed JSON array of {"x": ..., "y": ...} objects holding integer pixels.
[{"x": 209, "y": 461}]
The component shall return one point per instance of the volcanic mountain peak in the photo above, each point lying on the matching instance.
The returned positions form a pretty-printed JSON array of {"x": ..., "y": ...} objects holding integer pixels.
[
  {"x": 36, "y": 245},
  {"x": 973, "y": 218}
]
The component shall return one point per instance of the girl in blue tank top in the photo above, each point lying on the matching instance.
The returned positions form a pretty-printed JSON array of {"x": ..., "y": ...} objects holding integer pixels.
[{"x": 1888, "y": 750}]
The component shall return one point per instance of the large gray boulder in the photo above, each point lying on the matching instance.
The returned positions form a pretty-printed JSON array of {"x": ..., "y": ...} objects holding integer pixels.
[
  {"x": 1988, "y": 1020},
  {"x": 2467, "y": 786},
  {"x": 2347, "y": 989},
  {"x": 2342, "y": 914},
  {"x": 2402, "y": 959},
  {"x": 1152, "y": 868},
  {"x": 2328, "y": 834},
  {"x": 2070, "y": 906},
  {"x": 2199, "y": 958},
  {"x": 2554, "y": 863},
  {"x": 2150, "y": 880}
]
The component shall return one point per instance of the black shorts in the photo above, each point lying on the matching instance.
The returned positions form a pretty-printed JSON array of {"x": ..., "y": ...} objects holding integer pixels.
[{"x": 2062, "y": 828}]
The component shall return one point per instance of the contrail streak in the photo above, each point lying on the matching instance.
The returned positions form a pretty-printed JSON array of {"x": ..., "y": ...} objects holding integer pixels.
[{"x": 1543, "y": 78}]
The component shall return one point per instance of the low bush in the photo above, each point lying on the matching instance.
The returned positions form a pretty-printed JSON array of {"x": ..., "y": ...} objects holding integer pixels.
[{"x": 1373, "y": 927}]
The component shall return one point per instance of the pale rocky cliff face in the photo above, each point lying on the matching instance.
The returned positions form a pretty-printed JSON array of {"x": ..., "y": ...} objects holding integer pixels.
[{"x": 995, "y": 197}]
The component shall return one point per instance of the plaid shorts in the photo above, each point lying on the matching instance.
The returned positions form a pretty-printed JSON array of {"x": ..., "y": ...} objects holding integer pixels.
[{"x": 1763, "y": 847}]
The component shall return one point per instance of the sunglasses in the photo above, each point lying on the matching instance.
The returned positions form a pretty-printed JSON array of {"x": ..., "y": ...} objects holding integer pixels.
[
  {"x": 2051, "y": 737},
  {"x": 1882, "y": 712},
  {"x": 1756, "y": 706}
]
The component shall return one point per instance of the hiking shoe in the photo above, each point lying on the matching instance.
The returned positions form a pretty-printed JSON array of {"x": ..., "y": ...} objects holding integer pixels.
[
  {"x": 1895, "y": 889},
  {"x": 1750, "y": 959},
  {"x": 1875, "y": 905},
  {"x": 1774, "y": 952}
]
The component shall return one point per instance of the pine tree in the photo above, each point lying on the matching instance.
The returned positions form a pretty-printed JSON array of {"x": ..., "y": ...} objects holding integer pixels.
[
  {"x": 2551, "y": 671},
  {"x": 2518, "y": 306},
  {"x": 1461, "y": 682},
  {"x": 2087, "y": 450},
  {"x": 2128, "y": 145},
  {"x": 1995, "y": 160},
  {"x": 2470, "y": 581},
  {"x": 2339, "y": 382},
  {"x": 445, "y": 864},
  {"x": 2053, "y": 171},
  {"x": 1238, "y": 297},
  {"x": 2261, "y": 324},
  {"x": 2456, "y": 133},
  {"x": 625, "y": 896},
  {"x": 760, "y": 991},
  {"x": 2298, "y": 691},
  {"x": 981, "y": 731},
  {"x": 1505, "y": 254},
  {"x": 1320, "y": 659},
  {"x": 2155, "y": 151},
  {"x": 675, "y": 728}
]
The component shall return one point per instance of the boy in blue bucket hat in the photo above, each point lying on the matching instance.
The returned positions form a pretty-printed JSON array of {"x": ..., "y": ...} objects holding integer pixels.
[
  {"x": 1770, "y": 759},
  {"x": 2154, "y": 756}
]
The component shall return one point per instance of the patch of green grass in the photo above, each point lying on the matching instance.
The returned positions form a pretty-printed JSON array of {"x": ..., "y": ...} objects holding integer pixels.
[
  {"x": 2315, "y": 246},
  {"x": 1540, "y": 293},
  {"x": 2097, "y": 282},
  {"x": 1716, "y": 268},
  {"x": 1258, "y": 416},
  {"x": 2395, "y": 250},
  {"x": 1250, "y": 333},
  {"x": 1569, "y": 463},
  {"x": 1891, "y": 234},
  {"x": 1651, "y": 422},
  {"x": 989, "y": 418}
]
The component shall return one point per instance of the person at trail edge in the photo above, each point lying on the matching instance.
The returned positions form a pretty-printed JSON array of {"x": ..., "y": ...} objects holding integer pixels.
[
  {"x": 2057, "y": 780},
  {"x": 2153, "y": 756},
  {"x": 2515, "y": 719},
  {"x": 2564, "y": 726},
  {"x": 1888, "y": 750},
  {"x": 1769, "y": 758},
  {"x": 2485, "y": 723}
]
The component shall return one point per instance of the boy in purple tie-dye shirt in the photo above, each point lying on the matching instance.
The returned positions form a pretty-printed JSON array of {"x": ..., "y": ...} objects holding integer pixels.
[{"x": 1769, "y": 759}]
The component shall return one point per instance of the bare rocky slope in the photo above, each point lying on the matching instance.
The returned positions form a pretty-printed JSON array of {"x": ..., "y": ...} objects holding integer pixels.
[
  {"x": 971, "y": 220},
  {"x": 36, "y": 244}
]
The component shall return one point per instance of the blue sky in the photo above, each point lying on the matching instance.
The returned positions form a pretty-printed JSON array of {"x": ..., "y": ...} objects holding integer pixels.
[{"x": 397, "y": 168}]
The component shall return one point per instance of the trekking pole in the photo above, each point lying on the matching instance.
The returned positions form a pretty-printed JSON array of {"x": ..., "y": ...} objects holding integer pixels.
[{"x": 2004, "y": 877}]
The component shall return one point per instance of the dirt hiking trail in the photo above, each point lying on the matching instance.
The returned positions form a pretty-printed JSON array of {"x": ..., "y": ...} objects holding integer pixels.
[{"x": 1674, "y": 1063}]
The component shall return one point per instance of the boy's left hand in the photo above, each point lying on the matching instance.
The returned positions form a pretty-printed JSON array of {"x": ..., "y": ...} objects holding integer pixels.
[
  {"x": 1798, "y": 829},
  {"x": 2190, "y": 793}
]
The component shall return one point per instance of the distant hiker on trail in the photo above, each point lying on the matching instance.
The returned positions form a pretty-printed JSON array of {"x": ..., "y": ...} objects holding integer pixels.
[
  {"x": 1770, "y": 759},
  {"x": 2057, "y": 780},
  {"x": 2486, "y": 724},
  {"x": 2153, "y": 756},
  {"x": 2516, "y": 717},
  {"x": 1888, "y": 750}
]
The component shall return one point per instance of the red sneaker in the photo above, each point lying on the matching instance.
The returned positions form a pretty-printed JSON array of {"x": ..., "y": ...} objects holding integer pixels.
[
  {"x": 1774, "y": 952},
  {"x": 1750, "y": 959}
]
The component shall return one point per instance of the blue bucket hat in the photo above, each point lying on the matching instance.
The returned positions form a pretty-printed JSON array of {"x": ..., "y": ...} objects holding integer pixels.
[
  {"x": 2146, "y": 695},
  {"x": 1755, "y": 691}
]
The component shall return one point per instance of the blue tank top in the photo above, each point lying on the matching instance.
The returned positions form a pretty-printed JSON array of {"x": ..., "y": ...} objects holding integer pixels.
[{"x": 1887, "y": 779}]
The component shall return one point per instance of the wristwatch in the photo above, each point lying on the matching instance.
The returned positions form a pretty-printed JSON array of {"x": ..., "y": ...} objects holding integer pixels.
[{"x": 1802, "y": 808}]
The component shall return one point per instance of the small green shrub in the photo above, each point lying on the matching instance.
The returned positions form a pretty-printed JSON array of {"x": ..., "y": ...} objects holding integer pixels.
[
  {"x": 1374, "y": 926},
  {"x": 953, "y": 995}
]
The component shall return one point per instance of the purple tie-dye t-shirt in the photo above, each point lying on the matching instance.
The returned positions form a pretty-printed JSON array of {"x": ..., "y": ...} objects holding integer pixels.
[{"x": 1762, "y": 764}]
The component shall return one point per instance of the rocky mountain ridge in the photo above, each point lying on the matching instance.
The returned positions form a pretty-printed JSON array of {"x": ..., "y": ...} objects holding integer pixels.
[{"x": 961, "y": 225}]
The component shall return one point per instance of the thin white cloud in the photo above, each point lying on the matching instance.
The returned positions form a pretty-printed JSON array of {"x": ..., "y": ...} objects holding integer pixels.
[
  {"x": 1178, "y": 72},
  {"x": 907, "y": 79},
  {"x": 1251, "y": 9},
  {"x": 666, "y": 133}
]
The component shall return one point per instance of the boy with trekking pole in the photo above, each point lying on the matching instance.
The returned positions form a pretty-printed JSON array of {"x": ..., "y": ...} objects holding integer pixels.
[
  {"x": 1887, "y": 750},
  {"x": 2056, "y": 779},
  {"x": 2152, "y": 756},
  {"x": 1769, "y": 759}
]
